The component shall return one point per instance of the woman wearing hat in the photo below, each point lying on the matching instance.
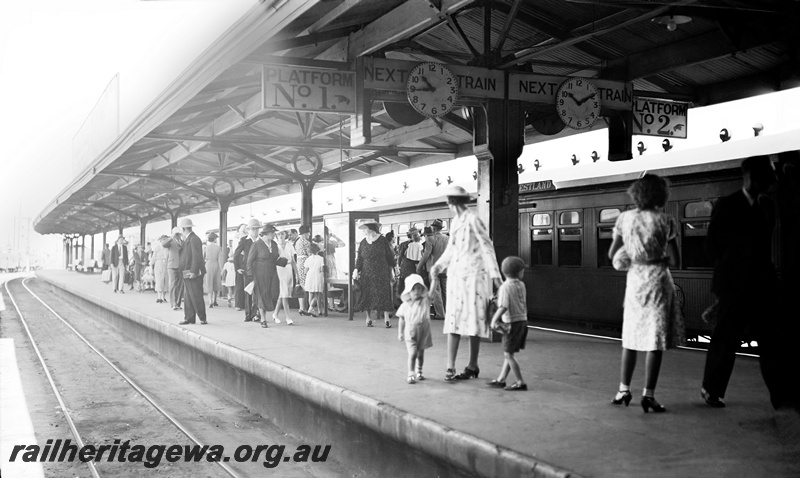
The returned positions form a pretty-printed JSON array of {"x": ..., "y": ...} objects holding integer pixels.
[
  {"x": 471, "y": 266},
  {"x": 160, "y": 257},
  {"x": 374, "y": 266},
  {"x": 212, "y": 283},
  {"x": 302, "y": 248},
  {"x": 262, "y": 267},
  {"x": 409, "y": 255}
]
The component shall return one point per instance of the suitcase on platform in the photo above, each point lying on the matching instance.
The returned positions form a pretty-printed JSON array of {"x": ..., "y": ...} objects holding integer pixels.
[{"x": 106, "y": 276}]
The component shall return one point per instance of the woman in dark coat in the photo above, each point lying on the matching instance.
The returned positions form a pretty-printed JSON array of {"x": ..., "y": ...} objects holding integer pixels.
[
  {"x": 374, "y": 268},
  {"x": 262, "y": 270}
]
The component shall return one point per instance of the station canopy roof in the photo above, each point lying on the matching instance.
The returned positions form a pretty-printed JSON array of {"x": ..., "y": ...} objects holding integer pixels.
[{"x": 208, "y": 136}]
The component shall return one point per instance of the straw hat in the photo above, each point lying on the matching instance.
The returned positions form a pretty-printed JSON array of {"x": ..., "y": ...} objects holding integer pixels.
[
  {"x": 456, "y": 191},
  {"x": 176, "y": 230},
  {"x": 362, "y": 223},
  {"x": 186, "y": 222},
  {"x": 411, "y": 281},
  {"x": 253, "y": 223}
]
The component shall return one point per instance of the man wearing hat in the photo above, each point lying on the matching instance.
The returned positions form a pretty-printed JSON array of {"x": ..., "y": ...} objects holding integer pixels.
[
  {"x": 192, "y": 267},
  {"x": 175, "y": 280},
  {"x": 239, "y": 262},
  {"x": 119, "y": 262},
  {"x": 435, "y": 244}
]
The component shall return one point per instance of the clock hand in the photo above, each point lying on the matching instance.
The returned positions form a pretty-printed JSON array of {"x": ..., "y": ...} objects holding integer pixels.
[
  {"x": 430, "y": 86},
  {"x": 580, "y": 102},
  {"x": 573, "y": 98}
]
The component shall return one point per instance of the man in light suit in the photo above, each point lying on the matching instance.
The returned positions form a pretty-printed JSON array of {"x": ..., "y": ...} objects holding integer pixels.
[
  {"x": 435, "y": 244},
  {"x": 192, "y": 267},
  {"x": 173, "y": 246},
  {"x": 745, "y": 282},
  {"x": 119, "y": 263}
]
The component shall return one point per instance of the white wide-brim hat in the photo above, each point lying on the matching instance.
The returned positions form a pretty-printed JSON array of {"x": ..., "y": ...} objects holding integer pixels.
[
  {"x": 362, "y": 223},
  {"x": 186, "y": 222},
  {"x": 253, "y": 223},
  {"x": 456, "y": 191},
  {"x": 411, "y": 281},
  {"x": 176, "y": 230}
]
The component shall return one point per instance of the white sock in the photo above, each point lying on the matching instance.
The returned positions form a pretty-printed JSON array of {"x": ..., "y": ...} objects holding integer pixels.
[{"x": 624, "y": 388}]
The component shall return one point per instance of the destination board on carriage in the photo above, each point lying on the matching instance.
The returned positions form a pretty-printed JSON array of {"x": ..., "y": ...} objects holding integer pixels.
[
  {"x": 652, "y": 117},
  {"x": 546, "y": 185},
  {"x": 320, "y": 90}
]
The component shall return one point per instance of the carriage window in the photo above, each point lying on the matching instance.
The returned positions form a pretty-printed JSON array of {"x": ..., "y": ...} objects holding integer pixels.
[
  {"x": 697, "y": 217},
  {"x": 570, "y": 251},
  {"x": 420, "y": 226},
  {"x": 542, "y": 240},
  {"x": 569, "y": 218},
  {"x": 541, "y": 220},
  {"x": 445, "y": 225},
  {"x": 402, "y": 230},
  {"x": 609, "y": 215}
]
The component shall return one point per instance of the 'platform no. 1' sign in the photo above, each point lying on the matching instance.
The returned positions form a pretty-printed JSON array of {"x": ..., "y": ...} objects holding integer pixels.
[
  {"x": 308, "y": 89},
  {"x": 660, "y": 118}
]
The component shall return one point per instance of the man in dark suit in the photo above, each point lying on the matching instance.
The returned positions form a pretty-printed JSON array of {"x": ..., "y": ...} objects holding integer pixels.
[
  {"x": 119, "y": 263},
  {"x": 192, "y": 267},
  {"x": 239, "y": 261},
  {"x": 745, "y": 282}
]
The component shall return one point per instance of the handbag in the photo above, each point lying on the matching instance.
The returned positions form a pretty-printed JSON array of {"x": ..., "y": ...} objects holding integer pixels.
[
  {"x": 491, "y": 309},
  {"x": 298, "y": 292},
  {"x": 106, "y": 276},
  {"x": 282, "y": 261}
]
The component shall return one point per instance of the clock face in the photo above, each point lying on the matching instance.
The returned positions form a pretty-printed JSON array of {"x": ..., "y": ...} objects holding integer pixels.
[
  {"x": 578, "y": 103},
  {"x": 432, "y": 89}
]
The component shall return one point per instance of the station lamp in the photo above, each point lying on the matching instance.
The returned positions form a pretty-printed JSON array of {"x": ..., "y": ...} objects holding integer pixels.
[
  {"x": 520, "y": 168},
  {"x": 724, "y": 135},
  {"x": 671, "y": 22},
  {"x": 405, "y": 186},
  {"x": 666, "y": 145},
  {"x": 474, "y": 175},
  {"x": 536, "y": 164},
  {"x": 595, "y": 157},
  {"x": 449, "y": 180},
  {"x": 575, "y": 160},
  {"x": 641, "y": 148},
  {"x": 758, "y": 128},
  {"x": 437, "y": 182}
]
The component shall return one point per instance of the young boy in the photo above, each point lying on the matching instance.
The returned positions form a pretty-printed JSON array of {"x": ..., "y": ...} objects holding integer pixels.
[{"x": 511, "y": 307}]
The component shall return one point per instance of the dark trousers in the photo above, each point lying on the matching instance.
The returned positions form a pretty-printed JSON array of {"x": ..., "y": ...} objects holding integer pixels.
[
  {"x": 250, "y": 309},
  {"x": 175, "y": 287},
  {"x": 239, "y": 293},
  {"x": 743, "y": 316},
  {"x": 194, "y": 303}
]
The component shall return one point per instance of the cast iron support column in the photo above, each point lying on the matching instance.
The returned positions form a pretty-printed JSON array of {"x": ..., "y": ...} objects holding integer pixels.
[
  {"x": 143, "y": 232},
  {"x": 173, "y": 216},
  {"x": 498, "y": 141},
  {"x": 91, "y": 256},
  {"x": 307, "y": 205},
  {"x": 223, "y": 231},
  {"x": 103, "y": 245},
  {"x": 121, "y": 230},
  {"x": 66, "y": 252},
  {"x": 83, "y": 249}
]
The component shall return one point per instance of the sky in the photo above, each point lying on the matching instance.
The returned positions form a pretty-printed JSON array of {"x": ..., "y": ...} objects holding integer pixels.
[{"x": 57, "y": 58}]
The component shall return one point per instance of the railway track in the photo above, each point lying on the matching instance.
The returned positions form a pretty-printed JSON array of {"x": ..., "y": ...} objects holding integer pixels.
[{"x": 104, "y": 405}]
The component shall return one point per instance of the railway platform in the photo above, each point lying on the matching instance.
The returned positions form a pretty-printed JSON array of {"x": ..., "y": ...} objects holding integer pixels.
[{"x": 331, "y": 379}]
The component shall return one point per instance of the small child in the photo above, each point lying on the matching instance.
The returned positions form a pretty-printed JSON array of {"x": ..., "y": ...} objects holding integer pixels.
[
  {"x": 511, "y": 306},
  {"x": 315, "y": 279},
  {"x": 229, "y": 279},
  {"x": 415, "y": 325}
]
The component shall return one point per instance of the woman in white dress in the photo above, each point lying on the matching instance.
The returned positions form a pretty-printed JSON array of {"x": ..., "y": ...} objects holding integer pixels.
[
  {"x": 471, "y": 266},
  {"x": 285, "y": 276},
  {"x": 160, "y": 256}
]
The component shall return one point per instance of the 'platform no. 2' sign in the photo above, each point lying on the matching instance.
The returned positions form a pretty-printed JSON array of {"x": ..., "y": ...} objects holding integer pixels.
[
  {"x": 660, "y": 118},
  {"x": 308, "y": 89}
]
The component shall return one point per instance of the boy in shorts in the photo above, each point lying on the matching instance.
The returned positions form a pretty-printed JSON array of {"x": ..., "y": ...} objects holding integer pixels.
[{"x": 512, "y": 309}]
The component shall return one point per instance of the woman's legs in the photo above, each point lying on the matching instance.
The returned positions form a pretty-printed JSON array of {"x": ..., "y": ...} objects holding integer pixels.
[
  {"x": 420, "y": 363},
  {"x": 263, "y": 316},
  {"x": 651, "y": 370},
  {"x": 285, "y": 302},
  {"x": 474, "y": 349},
  {"x": 453, "y": 340},
  {"x": 626, "y": 369}
]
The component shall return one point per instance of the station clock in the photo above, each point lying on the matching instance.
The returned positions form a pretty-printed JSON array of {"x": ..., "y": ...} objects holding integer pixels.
[
  {"x": 578, "y": 103},
  {"x": 432, "y": 89}
]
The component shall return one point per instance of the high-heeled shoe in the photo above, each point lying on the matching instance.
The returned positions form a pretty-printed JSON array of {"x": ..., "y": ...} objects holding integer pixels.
[
  {"x": 468, "y": 373},
  {"x": 623, "y": 396},
  {"x": 652, "y": 404},
  {"x": 450, "y": 375}
]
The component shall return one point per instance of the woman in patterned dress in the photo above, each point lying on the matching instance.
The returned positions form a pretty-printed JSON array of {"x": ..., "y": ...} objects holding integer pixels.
[
  {"x": 212, "y": 282},
  {"x": 651, "y": 320},
  {"x": 160, "y": 256},
  {"x": 262, "y": 267},
  {"x": 472, "y": 270},
  {"x": 302, "y": 248},
  {"x": 285, "y": 277},
  {"x": 374, "y": 268}
]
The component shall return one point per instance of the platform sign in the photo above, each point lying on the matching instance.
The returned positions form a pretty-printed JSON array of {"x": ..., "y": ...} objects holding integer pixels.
[
  {"x": 614, "y": 95},
  {"x": 653, "y": 117},
  {"x": 475, "y": 82},
  {"x": 319, "y": 90}
]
